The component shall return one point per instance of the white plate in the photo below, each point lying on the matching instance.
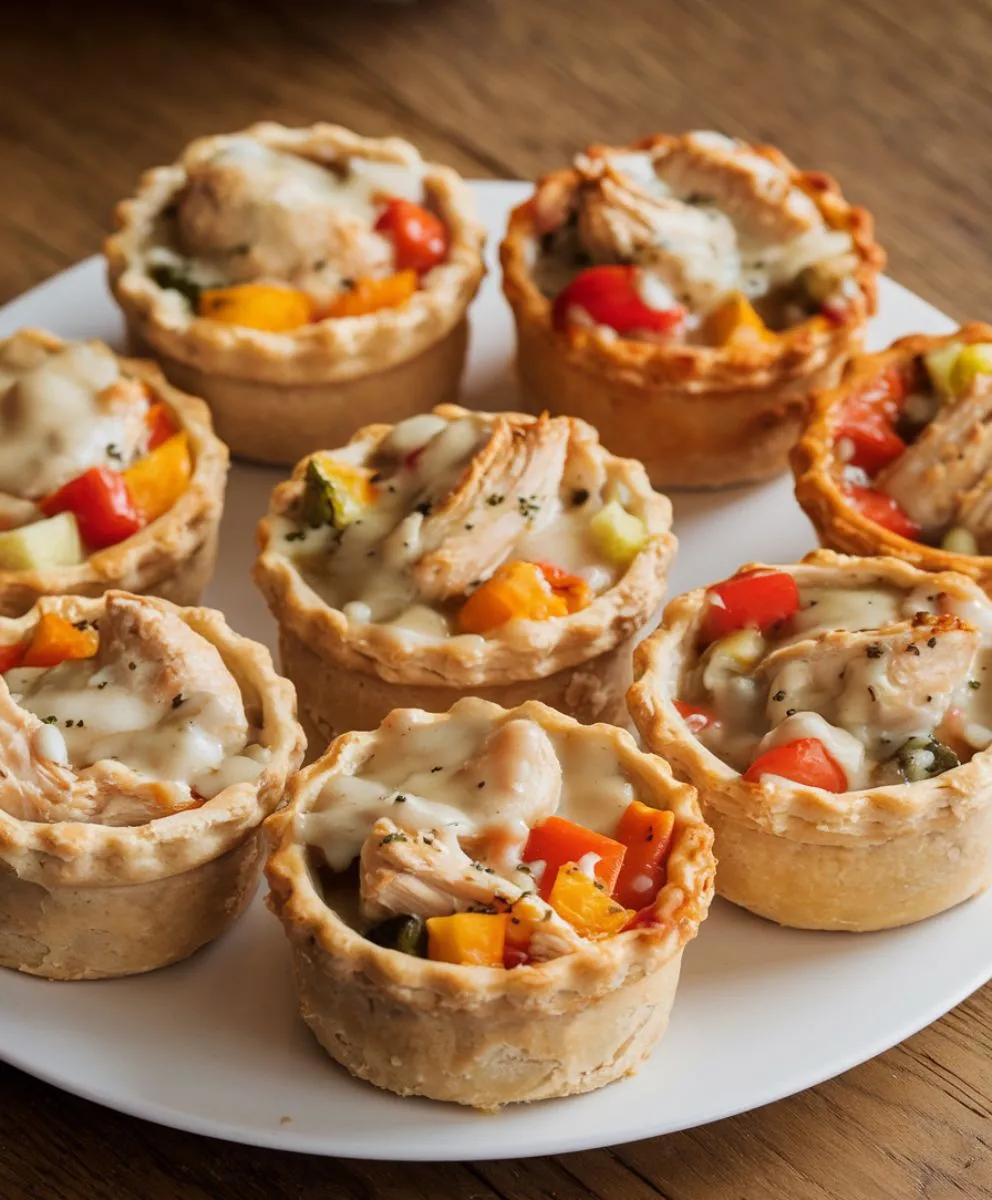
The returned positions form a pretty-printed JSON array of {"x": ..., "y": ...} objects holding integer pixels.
[{"x": 214, "y": 1045}]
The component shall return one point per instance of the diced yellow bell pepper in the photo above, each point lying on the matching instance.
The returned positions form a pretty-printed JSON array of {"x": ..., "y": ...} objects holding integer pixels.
[
  {"x": 959, "y": 540},
  {"x": 158, "y": 480},
  {"x": 973, "y": 360},
  {"x": 370, "y": 295},
  {"x": 618, "y": 534},
  {"x": 517, "y": 589},
  {"x": 471, "y": 939},
  {"x": 939, "y": 364},
  {"x": 264, "y": 306},
  {"x": 55, "y": 640},
  {"x": 735, "y": 319},
  {"x": 586, "y": 904}
]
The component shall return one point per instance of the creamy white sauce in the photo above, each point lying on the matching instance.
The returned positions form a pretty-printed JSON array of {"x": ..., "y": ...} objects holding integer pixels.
[{"x": 56, "y": 420}]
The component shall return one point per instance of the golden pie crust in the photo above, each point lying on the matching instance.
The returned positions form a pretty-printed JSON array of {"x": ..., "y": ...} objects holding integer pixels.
[
  {"x": 172, "y": 557},
  {"x": 350, "y": 676},
  {"x": 278, "y": 396},
  {"x": 814, "y": 462},
  {"x": 719, "y": 416},
  {"x": 482, "y": 1036},
  {"x": 89, "y": 901},
  {"x": 861, "y": 860}
]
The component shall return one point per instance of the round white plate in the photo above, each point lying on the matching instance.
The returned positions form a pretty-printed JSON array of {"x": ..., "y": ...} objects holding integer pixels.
[{"x": 214, "y": 1045}]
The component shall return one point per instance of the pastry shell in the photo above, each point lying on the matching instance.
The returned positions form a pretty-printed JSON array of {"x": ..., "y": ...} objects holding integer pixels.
[
  {"x": 278, "y": 396},
  {"x": 720, "y": 416},
  {"x": 860, "y": 860},
  {"x": 90, "y": 901},
  {"x": 483, "y": 1036},
  {"x": 172, "y": 557},
  {"x": 838, "y": 524},
  {"x": 350, "y": 676}
]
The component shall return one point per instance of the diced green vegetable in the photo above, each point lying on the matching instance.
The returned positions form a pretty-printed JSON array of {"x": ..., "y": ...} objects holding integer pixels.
[
  {"x": 618, "y": 534},
  {"x": 959, "y": 541},
  {"x": 325, "y": 500},
  {"x": 54, "y": 542},
  {"x": 408, "y": 935},
  {"x": 924, "y": 758},
  {"x": 173, "y": 279},
  {"x": 973, "y": 360},
  {"x": 939, "y": 363}
]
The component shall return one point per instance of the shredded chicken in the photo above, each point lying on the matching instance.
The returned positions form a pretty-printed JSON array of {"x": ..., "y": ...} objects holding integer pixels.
[
  {"x": 951, "y": 458},
  {"x": 552, "y": 936},
  {"x": 425, "y": 874},
  {"x": 512, "y": 484}
]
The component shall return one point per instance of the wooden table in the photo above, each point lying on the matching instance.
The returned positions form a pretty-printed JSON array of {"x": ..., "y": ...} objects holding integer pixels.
[{"x": 890, "y": 95}]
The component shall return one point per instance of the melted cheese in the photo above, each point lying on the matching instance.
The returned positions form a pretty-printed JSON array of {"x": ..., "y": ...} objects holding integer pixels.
[{"x": 54, "y": 421}]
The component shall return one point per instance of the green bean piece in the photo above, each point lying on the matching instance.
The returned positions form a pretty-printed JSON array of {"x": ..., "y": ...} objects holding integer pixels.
[
  {"x": 320, "y": 502},
  {"x": 924, "y": 758},
  {"x": 408, "y": 935}
]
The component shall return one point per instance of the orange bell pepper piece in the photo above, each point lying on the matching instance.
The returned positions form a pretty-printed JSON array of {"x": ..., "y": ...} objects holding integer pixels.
[
  {"x": 557, "y": 841},
  {"x": 161, "y": 424},
  {"x": 586, "y": 904},
  {"x": 369, "y": 295},
  {"x": 735, "y": 320},
  {"x": 55, "y": 640},
  {"x": 156, "y": 481},
  {"x": 647, "y": 834},
  {"x": 573, "y": 589},
  {"x": 264, "y": 306},
  {"x": 472, "y": 939},
  {"x": 517, "y": 589}
]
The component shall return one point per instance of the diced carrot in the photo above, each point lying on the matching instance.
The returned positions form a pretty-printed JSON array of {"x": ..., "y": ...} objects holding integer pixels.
[
  {"x": 557, "y": 841},
  {"x": 472, "y": 939},
  {"x": 586, "y": 904},
  {"x": 517, "y": 589},
  {"x": 647, "y": 834},
  {"x": 55, "y": 640}
]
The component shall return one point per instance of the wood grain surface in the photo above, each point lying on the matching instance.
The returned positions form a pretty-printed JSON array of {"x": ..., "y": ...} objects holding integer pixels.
[{"x": 892, "y": 96}]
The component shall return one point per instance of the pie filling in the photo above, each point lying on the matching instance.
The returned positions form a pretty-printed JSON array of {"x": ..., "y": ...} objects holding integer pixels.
[
  {"x": 456, "y": 526},
  {"x": 914, "y": 448},
  {"x": 699, "y": 241},
  {"x": 273, "y": 240},
  {"x": 487, "y": 842},
  {"x": 837, "y": 687},
  {"x": 88, "y": 457},
  {"x": 120, "y": 720}
]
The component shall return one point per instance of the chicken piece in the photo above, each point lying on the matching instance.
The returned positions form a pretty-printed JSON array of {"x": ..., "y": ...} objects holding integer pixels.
[
  {"x": 425, "y": 874},
  {"x": 883, "y": 685},
  {"x": 511, "y": 485},
  {"x": 975, "y": 512},
  {"x": 269, "y": 214},
  {"x": 952, "y": 456},
  {"x": 64, "y": 414},
  {"x": 585, "y": 470},
  {"x": 515, "y": 783},
  {"x": 553, "y": 937},
  {"x": 692, "y": 250}
]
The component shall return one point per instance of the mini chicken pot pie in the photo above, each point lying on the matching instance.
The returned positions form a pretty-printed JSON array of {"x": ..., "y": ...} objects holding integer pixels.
[
  {"x": 298, "y": 277},
  {"x": 458, "y": 552},
  {"x": 685, "y": 293},
  {"x": 835, "y": 717},
  {"x": 109, "y": 477},
  {"x": 142, "y": 746},
  {"x": 898, "y": 459},
  {"x": 489, "y": 906}
]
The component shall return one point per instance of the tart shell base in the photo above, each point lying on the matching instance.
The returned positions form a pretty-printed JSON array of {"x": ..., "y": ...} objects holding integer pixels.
[
  {"x": 335, "y": 699},
  {"x": 280, "y": 423},
  {"x": 504, "y": 1055},
  {"x": 684, "y": 438},
  {"x": 61, "y": 932},
  {"x": 808, "y": 885}
]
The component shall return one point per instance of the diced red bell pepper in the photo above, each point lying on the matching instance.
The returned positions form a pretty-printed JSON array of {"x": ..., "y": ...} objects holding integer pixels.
[
  {"x": 883, "y": 510},
  {"x": 11, "y": 656},
  {"x": 609, "y": 295},
  {"x": 805, "y": 760},
  {"x": 757, "y": 600},
  {"x": 420, "y": 239},
  {"x": 643, "y": 919},
  {"x": 557, "y": 841},
  {"x": 695, "y": 716},
  {"x": 514, "y": 956},
  {"x": 867, "y": 421},
  {"x": 102, "y": 505},
  {"x": 647, "y": 833},
  {"x": 161, "y": 425},
  {"x": 573, "y": 589}
]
